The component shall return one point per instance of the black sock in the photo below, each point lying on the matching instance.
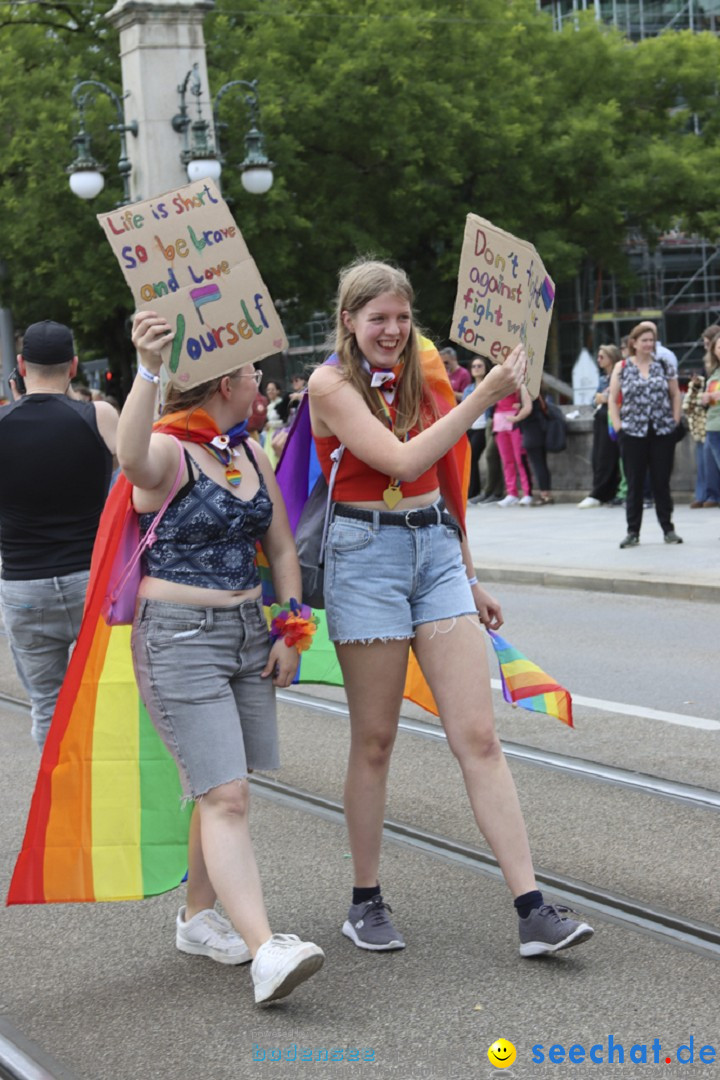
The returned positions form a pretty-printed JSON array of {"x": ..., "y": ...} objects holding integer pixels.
[
  {"x": 360, "y": 896},
  {"x": 527, "y": 902}
]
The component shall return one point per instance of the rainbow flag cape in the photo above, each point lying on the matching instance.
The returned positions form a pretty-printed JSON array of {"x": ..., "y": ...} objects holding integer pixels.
[
  {"x": 106, "y": 820},
  {"x": 527, "y": 685}
]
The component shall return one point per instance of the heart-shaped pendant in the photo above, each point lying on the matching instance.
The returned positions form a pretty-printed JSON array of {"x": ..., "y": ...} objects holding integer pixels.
[{"x": 392, "y": 496}]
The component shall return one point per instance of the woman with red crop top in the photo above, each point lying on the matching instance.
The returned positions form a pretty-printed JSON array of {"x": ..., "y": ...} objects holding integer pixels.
[
  {"x": 399, "y": 575},
  {"x": 203, "y": 658}
]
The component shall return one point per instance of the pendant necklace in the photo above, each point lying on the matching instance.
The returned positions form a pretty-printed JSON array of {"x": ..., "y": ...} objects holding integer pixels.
[
  {"x": 224, "y": 453},
  {"x": 393, "y": 492}
]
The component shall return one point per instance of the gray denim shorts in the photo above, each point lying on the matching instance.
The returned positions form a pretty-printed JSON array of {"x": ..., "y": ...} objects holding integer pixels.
[{"x": 198, "y": 672}]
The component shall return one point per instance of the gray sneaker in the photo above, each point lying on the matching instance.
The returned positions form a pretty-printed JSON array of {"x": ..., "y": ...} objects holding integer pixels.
[
  {"x": 369, "y": 927},
  {"x": 548, "y": 929}
]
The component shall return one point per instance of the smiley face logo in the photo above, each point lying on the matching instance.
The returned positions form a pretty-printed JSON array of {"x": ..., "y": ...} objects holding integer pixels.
[{"x": 501, "y": 1054}]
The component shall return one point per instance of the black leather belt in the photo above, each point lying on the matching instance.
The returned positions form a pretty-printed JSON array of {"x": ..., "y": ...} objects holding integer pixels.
[{"x": 417, "y": 518}]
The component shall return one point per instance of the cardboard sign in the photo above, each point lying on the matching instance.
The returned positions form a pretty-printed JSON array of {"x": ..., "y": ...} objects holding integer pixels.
[
  {"x": 504, "y": 298},
  {"x": 183, "y": 256}
]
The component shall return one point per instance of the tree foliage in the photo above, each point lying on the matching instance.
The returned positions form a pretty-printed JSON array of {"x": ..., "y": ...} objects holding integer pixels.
[{"x": 388, "y": 122}]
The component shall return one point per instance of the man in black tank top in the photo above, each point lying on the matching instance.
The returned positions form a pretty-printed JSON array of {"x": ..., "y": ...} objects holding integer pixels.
[{"x": 55, "y": 467}]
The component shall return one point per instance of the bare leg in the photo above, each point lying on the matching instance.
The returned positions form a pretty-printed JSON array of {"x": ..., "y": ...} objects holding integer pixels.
[
  {"x": 453, "y": 659},
  {"x": 228, "y": 856},
  {"x": 200, "y": 893},
  {"x": 374, "y": 677}
]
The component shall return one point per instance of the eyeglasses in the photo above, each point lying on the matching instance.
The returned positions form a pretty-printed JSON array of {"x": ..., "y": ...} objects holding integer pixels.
[{"x": 256, "y": 375}]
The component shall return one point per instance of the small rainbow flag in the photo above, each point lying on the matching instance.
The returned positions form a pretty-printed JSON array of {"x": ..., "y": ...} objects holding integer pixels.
[{"x": 527, "y": 685}]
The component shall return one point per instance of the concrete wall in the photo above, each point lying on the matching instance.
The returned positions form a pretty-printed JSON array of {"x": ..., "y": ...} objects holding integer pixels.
[{"x": 572, "y": 469}]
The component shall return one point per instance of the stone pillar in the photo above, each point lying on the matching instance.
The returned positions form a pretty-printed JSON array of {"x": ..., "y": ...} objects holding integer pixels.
[{"x": 160, "y": 40}]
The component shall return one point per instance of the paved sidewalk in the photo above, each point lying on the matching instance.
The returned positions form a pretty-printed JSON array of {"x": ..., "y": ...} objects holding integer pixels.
[{"x": 563, "y": 546}]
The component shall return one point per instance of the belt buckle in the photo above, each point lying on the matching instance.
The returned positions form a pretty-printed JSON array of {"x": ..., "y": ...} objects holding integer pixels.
[{"x": 414, "y": 510}]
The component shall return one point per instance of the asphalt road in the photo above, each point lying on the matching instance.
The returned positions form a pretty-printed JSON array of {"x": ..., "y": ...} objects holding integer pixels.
[{"x": 102, "y": 989}]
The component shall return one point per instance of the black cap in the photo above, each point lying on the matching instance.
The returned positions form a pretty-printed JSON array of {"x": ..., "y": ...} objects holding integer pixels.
[{"x": 48, "y": 342}]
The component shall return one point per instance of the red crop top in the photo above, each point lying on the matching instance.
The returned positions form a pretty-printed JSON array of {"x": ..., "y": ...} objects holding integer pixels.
[{"x": 357, "y": 482}]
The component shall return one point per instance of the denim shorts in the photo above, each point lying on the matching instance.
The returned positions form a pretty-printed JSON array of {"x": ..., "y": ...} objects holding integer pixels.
[
  {"x": 198, "y": 672},
  {"x": 382, "y": 581}
]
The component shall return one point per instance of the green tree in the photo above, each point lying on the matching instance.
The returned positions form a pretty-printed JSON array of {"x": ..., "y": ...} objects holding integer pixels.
[
  {"x": 55, "y": 262},
  {"x": 388, "y": 122}
]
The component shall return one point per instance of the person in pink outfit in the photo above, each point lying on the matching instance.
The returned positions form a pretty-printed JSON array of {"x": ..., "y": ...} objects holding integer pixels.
[{"x": 509, "y": 411}]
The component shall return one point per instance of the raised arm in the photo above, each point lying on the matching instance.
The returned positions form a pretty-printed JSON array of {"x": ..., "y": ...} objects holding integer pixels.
[
  {"x": 337, "y": 409},
  {"x": 148, "y": 461}
]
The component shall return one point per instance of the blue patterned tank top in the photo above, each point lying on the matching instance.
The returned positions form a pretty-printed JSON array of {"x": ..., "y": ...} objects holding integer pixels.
[{"x": 207, "y": 536}]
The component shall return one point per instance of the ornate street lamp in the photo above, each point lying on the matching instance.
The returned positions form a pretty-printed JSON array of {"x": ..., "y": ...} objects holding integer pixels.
[
  {"x": 86, "y": 175},
  {"x": 202, "y": 158}
]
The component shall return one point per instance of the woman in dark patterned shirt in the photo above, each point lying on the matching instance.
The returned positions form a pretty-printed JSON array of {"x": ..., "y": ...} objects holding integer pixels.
[{"x": 644, "y": 406}]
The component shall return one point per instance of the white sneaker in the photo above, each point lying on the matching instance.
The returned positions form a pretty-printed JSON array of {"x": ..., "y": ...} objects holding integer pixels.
[
  {"x": 527, "y": 500},
  {"x": 209, "y": 934},
  {"x": 589, "y": 503},
  {"x": 509, "y": 500},
  {"x": 282, "y": 963}
]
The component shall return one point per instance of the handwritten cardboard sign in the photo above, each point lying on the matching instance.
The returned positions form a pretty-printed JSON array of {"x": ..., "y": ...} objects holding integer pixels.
[
  {"x": 505, "y": 297},
  {"x": 183, "y": 256}
]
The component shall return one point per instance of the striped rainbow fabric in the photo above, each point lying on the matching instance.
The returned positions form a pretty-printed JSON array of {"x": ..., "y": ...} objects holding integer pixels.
[
  {"x": 527, "y": 685},
  {"x": 106, "y": 821}
]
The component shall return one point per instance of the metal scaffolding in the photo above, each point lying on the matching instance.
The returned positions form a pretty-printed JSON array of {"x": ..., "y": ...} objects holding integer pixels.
[
  {"x": 678, "y": 284},
  {"x": 639, "y": 19}
]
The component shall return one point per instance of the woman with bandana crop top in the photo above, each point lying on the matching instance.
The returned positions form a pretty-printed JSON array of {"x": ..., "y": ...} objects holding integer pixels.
[{"x": 204, "y": 661}]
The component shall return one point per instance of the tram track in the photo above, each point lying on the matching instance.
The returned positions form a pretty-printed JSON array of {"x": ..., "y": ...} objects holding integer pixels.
[
  {"x": 699, "y": 936},
  {"x": 642, "y": 782},
  {"x": 531, "y": 755}
]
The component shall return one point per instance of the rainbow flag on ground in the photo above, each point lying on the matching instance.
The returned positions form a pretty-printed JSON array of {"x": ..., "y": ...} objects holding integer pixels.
[{"x": 527, "y": 685}]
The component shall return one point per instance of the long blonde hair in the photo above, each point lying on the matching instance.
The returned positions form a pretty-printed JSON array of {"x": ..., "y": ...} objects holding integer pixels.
[{"x": 360, "y": 283}]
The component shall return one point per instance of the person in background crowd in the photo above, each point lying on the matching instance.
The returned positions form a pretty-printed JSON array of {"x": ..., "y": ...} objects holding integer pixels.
[
  {"x": 274, "y": 421},
  {"x": 532, "y": 430},
  {"x": 710, "y": 398},
  {"x": 646, "y": 423},
  {"x": 476, "y": 434},
  {"x": 286, "y": 410},
  {"x": 494, "y": 489},
  {"x": 459, "y": 376},
  {"x": 55, "y": 466},
  {"x": 80, "y": 392},
  {"x": 605, "y": 452},
  {"x": 399, "y": 575},
  {"x": 707, "y": 475},
  {"x": 258, "y": 417},
  {"x": 506, "y": 417}
]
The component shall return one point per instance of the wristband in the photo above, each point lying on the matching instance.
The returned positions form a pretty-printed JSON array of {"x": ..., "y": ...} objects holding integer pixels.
[
  {"x": 147, "y": 375},
  {"x": 472, "y": 581}
]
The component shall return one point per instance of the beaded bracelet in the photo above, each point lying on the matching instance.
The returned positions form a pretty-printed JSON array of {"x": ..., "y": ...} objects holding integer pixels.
[{"x": 294, "y": 623}]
